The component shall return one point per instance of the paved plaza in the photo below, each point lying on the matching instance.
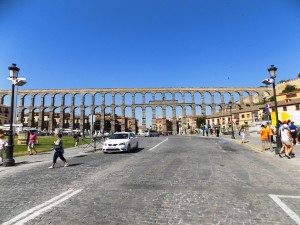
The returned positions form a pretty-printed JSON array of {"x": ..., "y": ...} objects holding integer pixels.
[{"x": 169, "y": 180}]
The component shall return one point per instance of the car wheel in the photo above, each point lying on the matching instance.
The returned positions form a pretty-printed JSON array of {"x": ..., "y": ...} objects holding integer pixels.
[
  {"x": 137, "y": 146},
  {"x": 128, "y": 148}
]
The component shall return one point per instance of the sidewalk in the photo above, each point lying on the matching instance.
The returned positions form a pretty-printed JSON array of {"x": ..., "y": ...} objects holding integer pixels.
[
  {"x": 41, "y": 158},
  {"x": 253, "y": 141}
]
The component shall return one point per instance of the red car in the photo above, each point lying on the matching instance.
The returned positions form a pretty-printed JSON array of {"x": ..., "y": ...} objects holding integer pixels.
[{"x": 165, "y": 133}]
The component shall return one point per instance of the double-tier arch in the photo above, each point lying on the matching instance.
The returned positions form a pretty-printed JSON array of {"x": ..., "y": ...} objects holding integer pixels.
[{"x": 141, "y": 102}]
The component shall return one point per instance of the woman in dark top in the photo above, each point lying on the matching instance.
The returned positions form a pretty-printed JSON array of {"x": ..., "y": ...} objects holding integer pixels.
[{"x": 58, "y": 151}]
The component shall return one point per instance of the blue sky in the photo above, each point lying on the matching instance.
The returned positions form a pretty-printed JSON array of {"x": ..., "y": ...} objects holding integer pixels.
[{"x": 148, "y": 43}]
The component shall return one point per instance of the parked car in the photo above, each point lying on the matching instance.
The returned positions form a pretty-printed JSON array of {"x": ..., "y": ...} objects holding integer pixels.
[
  {"x": 40, "y": 133},
  {"x": 142, "y": 133},
  {"x": 152, "y": 133},
  {"x": 165, "y": 133},
  {"x": 121, "y": 142}
]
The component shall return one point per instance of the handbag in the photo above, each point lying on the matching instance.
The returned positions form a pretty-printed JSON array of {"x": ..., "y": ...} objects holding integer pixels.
[{"x": 57, "y": 147}]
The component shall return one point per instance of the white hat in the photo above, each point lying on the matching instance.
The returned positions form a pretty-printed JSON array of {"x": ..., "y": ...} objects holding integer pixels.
[{"x": 285, "y": 126}]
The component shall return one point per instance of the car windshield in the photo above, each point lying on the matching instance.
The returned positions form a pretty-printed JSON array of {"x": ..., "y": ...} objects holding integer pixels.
[{"x": 119, "y": 136}]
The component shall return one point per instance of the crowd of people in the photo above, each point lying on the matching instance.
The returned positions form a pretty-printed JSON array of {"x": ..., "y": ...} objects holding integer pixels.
[{"x": 289, "y": 136}]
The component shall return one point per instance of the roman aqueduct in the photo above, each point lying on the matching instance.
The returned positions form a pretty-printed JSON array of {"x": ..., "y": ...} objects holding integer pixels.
[{"x": 109, "y": 100}]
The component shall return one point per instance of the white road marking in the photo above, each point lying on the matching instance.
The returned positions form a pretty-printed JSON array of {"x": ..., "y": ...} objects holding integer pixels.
[
  {"x": 285, "y": 208},
  {"x": 220, "y": 147},
  {"x": 38, "y": 210},
  {"x": 158, "y": 144}
]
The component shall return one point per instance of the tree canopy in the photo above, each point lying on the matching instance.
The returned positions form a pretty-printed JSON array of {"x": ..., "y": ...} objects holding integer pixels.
[{"x": 289, "y": 88}]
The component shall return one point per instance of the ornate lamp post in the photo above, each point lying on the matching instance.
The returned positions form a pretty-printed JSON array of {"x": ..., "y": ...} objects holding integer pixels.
[
  {"x": 272, "y": 71},
  {"x": 9, "y": 161},
  {"x": 232, "y": 132}
]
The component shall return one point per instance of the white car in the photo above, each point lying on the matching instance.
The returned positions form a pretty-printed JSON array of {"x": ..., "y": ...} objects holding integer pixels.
[
  {"x": 120, "y": 142},
  {"x": 143, "y": 133}
]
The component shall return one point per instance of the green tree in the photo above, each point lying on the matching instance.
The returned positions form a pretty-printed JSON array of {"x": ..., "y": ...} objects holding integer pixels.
[
  {"x": 299, "y": 75},
  {"x": 200, "y": 121},
  {"x": 289, "y": 88}
]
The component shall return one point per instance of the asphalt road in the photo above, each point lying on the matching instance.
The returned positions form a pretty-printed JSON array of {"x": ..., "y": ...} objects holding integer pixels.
[{"x": 174, "y": 180}]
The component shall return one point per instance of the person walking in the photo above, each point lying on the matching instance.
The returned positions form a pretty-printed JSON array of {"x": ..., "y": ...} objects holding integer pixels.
[
  {"x": 206, "y": 130},
  {"x": 76, "y": 139},
  {"x": 58, "y": 151},
  {"x": 294, "y": 132},
  {"x": 271, "y": 133},
  {"x": 31, "y": 143},
  {"x": 217, "y": 130},
  {"x": 287, "y": 141},
  {"x": 264, "y": 136},
  {"x": 3, "y": 144},
  {"x": 242, "y": 133}
]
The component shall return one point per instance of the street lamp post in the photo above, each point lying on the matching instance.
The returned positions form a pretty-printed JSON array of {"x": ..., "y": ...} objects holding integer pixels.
[
  {"x": 232, "y": 132},
  {"x": 272, "y": 71},
  {"x": 9, "y": 161}
]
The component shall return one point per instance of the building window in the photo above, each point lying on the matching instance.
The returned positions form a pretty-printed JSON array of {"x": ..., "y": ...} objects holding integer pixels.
[
  {"x": 297, "y": 107},
  {"x": 284, "y": 108},
  {"x": 248, "y": 115},
  {"x": 243, "y": 116}
]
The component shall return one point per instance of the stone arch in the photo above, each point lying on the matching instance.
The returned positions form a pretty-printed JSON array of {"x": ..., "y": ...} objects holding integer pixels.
[
  {"x": 128, "y": 98},
  {"x": 118, "y": 99},
  {"x": 77, "y": 99},
  {"x": 129, "y": 120},
  {"x": 246, "y": 99},
  {"x": 138, "y": 98},
  {"x": 178, "y": 97},
  {"x": 148, "y": 111},
  {"x": 45, "y": 119},
  {"x": 27, "y": 100},
  {"x": 255, "y": 97},
  {"x": 208, "y": 109},
  {"x": 37, "y": 100},
  {"x": 168, "y": 96},
  {"x": 87, "y": 111},
  {"x": 219, "y": 108},
  {"x": 47, "y": 100},
  {"x": 25, "y": 117},
  {"x": 97, "y": 123},
  {"x": 236, "y": 97},
  {"x": 76, "y": 118},
  {"x": 57, "y": 99},
  {"x": 179, "y": 122},
  {"x": 67, "y": 99},
  {"x": 198, "y": 110},
  {"x": 158, "y": 96},
  {"x": 217, "y": 97},
  {"x": 118, "y": 118},
  {"x": 148, "y": 97},
  {"x": 138, "y": 111},
  {"x": 5, "y": 100},
  {"x": 197, "y": 97},
  {"x": 108, "y": 98},
  {"x": 188, "y": 97},
  {"x": 66, "y": 117},
  {"x": 87, "y": 99},
  {"x": 98, "y": 99},
  {"x": 227, "y": 97},
  {"x": 207, "y": 97},
  {"x": 35, "y": 117}
]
